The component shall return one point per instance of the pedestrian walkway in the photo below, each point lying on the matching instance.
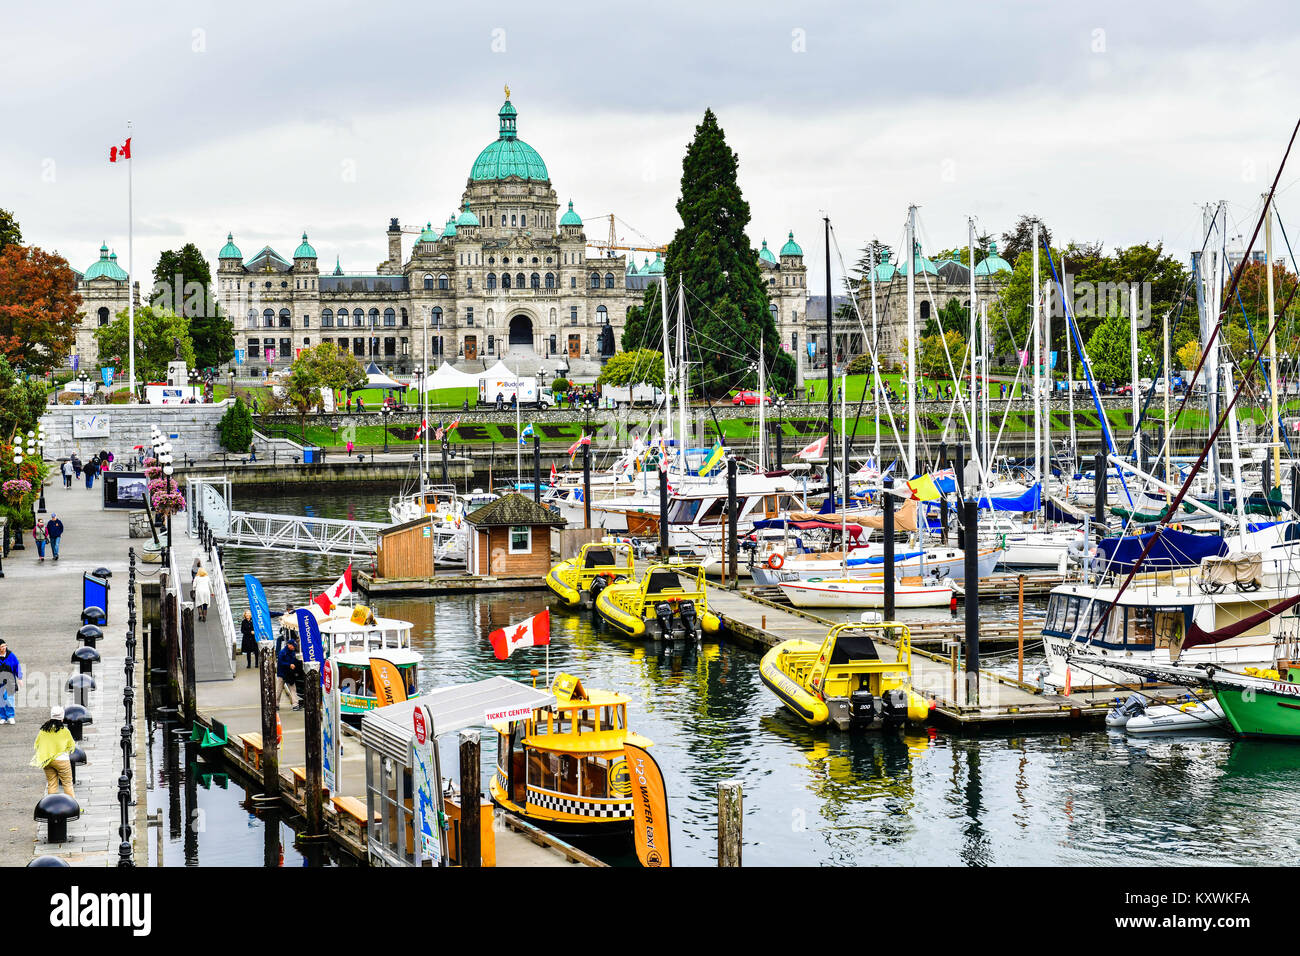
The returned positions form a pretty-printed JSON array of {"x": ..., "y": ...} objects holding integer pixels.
[
  {"x": 212, "y": 647},
  {"x": 42, "y": 605}
]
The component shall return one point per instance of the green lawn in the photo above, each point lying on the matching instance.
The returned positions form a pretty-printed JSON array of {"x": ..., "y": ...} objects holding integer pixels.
[{"x": 860, "y": 385}]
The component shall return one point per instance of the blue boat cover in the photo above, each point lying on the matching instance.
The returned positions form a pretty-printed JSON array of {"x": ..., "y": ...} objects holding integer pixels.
[
  {"x": 1031, "y": 500},
  {"x": 1175, "y": 549}
]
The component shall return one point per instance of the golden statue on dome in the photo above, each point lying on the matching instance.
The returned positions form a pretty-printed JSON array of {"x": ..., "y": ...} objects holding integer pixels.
[{"x": 507, "y": 91}]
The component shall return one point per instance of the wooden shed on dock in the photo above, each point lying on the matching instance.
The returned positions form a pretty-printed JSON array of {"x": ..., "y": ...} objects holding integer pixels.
[
  {"x": 511, "y": 537},
  {"x": 406, "y": 550}
]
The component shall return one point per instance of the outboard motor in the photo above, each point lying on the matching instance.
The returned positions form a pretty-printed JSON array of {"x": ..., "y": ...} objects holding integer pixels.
[
  {"x": 664, "y": 614},
  {"x": 1121, "y": 713},
  {"x": 690, "y": 620},
  {"x": 863, "y": 707},
  {"x": 598, "y": 584},
  {"x": 894, "y": 705}
]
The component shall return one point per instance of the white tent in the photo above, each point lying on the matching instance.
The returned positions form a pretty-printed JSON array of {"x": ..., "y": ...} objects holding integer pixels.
[
  {"x": 375, "y": 378},
  {"x": 496, "y": 373},
  {"x": 449, "y": 377}
]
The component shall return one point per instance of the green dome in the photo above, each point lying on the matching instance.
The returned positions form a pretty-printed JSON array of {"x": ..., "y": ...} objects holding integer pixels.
[
  {"x": 765, "y": 254},
  {"x": 885, "y": 272},
  {"x": 655, "y": 268},
  {"x": 992, "y": 263},
  {"x": 466, "y": 218},
  {"x": 645, "y": 266},
  {"x": 570, "y": 218},
  {"x": 230, "y": 250},
  {"x": 449, "y": 231},
  {"x": 509, "y": 155},
  {"x": 428, "y": 235},
  {"x": 791, "y": 248},
  {"x": 304, "y": 250},
  {"x": 923, "y": 264},
  {"x": 106, "y": 267}
]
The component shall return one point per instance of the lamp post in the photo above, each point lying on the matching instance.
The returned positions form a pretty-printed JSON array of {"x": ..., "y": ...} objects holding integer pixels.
[
  {"x": 165, "y": 461},
  {"x": 386, "y": 411},
  {"x": 18, "y": 530},
  {"x": 780, "y": 430},
  {"x": 83, "y": 378}
]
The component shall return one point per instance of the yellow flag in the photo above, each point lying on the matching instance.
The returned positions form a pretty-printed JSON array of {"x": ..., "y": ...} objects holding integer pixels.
[
  {"x": 924, "y": 488},
  {"x": 715, "y": 458}
]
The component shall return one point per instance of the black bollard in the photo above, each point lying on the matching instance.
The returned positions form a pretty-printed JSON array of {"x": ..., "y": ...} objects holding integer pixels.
[
  {"x": 90, "y": 634},
  {"x": 56, "y": 809},
  {"x": 444, "y": 461},
  {"x": 80, "y": 686},
  {"x": 970, "y": 517},
  {"x": 85, "y": 658},
  {"x": 1099, "y": 492},
  {"x": 76, "y": 759},
  {"x": 76, "y": 716},
  {"x": 663, "y": 514},
  {"x": 888, "y": 533}
]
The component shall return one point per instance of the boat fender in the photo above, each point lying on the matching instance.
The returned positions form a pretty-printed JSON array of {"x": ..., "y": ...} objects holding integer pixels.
[
  {"x": 279, "y": 731},
  {"x": 776, "y": 561}
]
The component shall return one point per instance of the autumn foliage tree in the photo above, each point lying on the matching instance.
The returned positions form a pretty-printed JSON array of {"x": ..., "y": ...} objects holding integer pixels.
[{"x": 39, "y": 308}]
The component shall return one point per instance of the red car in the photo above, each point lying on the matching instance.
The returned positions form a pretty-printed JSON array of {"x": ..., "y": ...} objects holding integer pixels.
[{"x": 750, "y": 398}]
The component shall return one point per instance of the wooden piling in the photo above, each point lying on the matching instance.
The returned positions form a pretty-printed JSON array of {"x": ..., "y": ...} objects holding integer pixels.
[
  {"x": 270, "y": 747},
  {"x": 313, "y": 803},
  {"x": 730, "y": 822},
  {"x": 190, "y": 699},
  {"x": 733, "y": 515},
  {"x": 1020, "y": 631},
  {"x": 173, "y": 639},
  {"x": 471, "y": 849}
]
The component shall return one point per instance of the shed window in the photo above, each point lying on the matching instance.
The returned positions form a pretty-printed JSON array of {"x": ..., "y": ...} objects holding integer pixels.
[{"x": 521, "y": 540}]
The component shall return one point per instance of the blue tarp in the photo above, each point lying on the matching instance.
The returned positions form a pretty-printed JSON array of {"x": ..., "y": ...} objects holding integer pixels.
[
  {"x": 1031, "y": 500},
  {"x": 1175, "y": 549}
]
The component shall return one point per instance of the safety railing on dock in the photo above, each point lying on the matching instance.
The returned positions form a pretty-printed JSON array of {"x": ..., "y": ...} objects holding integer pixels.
[{"x": 249, "y": 529}]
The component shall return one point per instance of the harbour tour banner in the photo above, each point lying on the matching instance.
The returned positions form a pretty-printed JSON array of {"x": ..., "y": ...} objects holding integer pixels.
[
  {"x": 389, "y": 688},
  {"x": 260, "y": 609},
  {"x": 309, "y": 638},
  {"x": 424, "y": 774},
  {"x": 329, "y": 727},
  {"x": 650, "y": 808}
]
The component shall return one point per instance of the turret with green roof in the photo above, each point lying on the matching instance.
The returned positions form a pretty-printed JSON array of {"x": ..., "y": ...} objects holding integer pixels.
[
  {"x": 304, "y": 250},
  {"x": 428, "y": 234},
  {"x": 230, "y": 250},
  {"x": 791, "y": 248},
  {"x": 449, "y": 231},
  {"x": 657, "y": 267},
  {"x": 509, "y": 155},
  {"x": 106, "y": 267},
  {"x": 570, "y": 218},
  {"x": 992, "y": 263},
  {"x": 466, "y": 218},
  {"x": 765, "y": 254}
]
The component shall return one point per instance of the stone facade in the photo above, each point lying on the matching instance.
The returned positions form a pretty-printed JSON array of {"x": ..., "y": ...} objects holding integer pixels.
[
  {"x": 195, "y": 428},
  {"x": 507, "y": 277},
  {"x": 103, "y": 291}
]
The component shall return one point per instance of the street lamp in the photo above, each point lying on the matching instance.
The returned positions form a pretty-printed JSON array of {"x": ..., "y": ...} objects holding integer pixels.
[
  {"x": 779, "y": 404},
  {"x": 83, "y": 378},
  {"x": 386, "y": 411}
]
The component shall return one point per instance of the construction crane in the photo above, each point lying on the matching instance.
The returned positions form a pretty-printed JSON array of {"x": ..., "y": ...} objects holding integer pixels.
[{"x": 612, "y": 245}]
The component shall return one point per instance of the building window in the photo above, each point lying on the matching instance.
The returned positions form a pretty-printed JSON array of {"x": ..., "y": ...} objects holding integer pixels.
[
  {"x": 519, "y": 281},
  {"x": 390, "y": 317},
  {"x": 609, "y": 280},
  {"x": 286, "y": 348},
  {"x": 602, "y": 315},
  {"x": 327, "y": 319},
  {"x": 268, "y": 318},
  {"x": 491, "y": 344},
  {"x": 390, "y": 347},
  {"x": 550, "y": 280},
  {"x": 521, "y": 540},
  {"x": 374, "y": 318},
  {"x": 595, "y": 280},
  {"x": 492, "y": 280},
  {"x": 286, "y": 319},
  {"x": 469, "y": 315},
  {"x": 306, "y": 321},
  {"x": 428, "y": 281},
  {"x": 535, "y": 281},
  {"x": 306, "y": 341},
  {"x": 925, "y": 309},
  {"x": 513, "y": 220},
  {"x": 406, "y": 319},
  {"x": 359, "y": 347},
  {"x": 551, "y": 346},
  {"x": 794, "y": 342},
  {"x": 469, "y": 282},
  {"x": 573, "y": 282},
  {"x": 443, "y": 283},
  {"x": 252, "y": 318},
  {"x": 573, "y": 315},
  {"x": 505, "y": 280},
  {"x": 103, "y": 316},
  {"x": 436, "y": 317},
  {"x": 254, "y": 346}
]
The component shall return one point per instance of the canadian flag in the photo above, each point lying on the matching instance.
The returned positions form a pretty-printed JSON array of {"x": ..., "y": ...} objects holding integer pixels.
[
  {"x": 424, "y": 427},
  {"x": 816, "y": 449},
  {"x": 340, "y": 589},
  {"x": 120, "y": 152},
  {"x": 533, "y": 632},
  {"x": 552, "y": 474}
]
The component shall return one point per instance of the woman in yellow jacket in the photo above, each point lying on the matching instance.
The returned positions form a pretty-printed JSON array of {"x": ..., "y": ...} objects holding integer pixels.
[{"x": 53, "y": 746}]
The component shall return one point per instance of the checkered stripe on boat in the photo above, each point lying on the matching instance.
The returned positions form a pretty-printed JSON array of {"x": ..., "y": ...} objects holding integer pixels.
[{"x": 580, "y": 808}]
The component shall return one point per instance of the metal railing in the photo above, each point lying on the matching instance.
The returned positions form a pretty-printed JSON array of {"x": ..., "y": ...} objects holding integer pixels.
[
  {"x": 221, "y": 598},
  {"x": 249, "y": 529}
]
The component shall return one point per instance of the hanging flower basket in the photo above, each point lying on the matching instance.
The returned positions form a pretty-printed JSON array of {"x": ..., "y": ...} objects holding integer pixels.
[{"x": 16, "y": 490}]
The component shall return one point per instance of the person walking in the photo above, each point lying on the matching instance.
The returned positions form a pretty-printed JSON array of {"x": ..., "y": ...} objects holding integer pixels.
[
  {"x": 252, "y": 452},
  {"x": 53, "y": 747},
  {"x": 38, "y": 535},
  {"x": 202, "y": 593},
  {"x": 11, "y": 681},
  {"x": 53, "y": 532},
  {"x": 248, "y": 641},
  {"x": 286, "y": 672},
  {"x": 76, "y": 467},
  {"x": 67, "y": 473}
]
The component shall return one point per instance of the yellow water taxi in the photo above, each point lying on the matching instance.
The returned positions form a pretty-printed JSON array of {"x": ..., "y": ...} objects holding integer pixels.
[
  {"x": 563, "y": 767},
  {"x": 586, "y": 575},
  {"x": 669, "y": 602},
  {"x": 844, "y": 680}
]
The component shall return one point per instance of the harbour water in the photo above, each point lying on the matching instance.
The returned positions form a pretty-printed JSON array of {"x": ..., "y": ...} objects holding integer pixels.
[{"x": 817, "y": 797}]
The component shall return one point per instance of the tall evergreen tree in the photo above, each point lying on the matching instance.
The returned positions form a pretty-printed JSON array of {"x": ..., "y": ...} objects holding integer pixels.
[
  {"x": 727, "y": 305},
  {"x": 183, "y": 284}
]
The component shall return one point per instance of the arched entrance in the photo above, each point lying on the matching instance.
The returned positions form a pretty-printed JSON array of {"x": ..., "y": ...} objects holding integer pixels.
[{"x": 521, "y": 331}]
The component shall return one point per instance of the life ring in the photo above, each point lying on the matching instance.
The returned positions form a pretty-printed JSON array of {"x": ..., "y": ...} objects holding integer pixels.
[{"x": 775, "y": 561}]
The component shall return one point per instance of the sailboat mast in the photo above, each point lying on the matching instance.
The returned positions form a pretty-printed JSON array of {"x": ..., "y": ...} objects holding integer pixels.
[
  {"x": 1272, "y": 346},
  {"x": 1049, "y": 392},
  {"x": 875, "y": 351},
  {"x": 911, "y": 340},
  {"x": 830, "y": 366},
  {"x": 970, "y": 353},
  {"x": 1037, "y": 356},
  {"x": 844, "y": 508},
  {"x": 681, "y": 366},
  {"x": 1069, "y": 362},
  {"x": 1133, "y": 365},
  {"x": 1237, "y": 488},
  {"x": 668, "y": 376},
  {"x": 762, "y": 403},
  {"x": 1169, "y": 426}
]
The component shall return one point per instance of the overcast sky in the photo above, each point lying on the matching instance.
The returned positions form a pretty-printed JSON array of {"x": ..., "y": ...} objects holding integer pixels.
[{"x": 1113, "y": 121}]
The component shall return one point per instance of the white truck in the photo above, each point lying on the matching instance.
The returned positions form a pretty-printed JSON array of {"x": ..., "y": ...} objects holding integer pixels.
[
  {"x": 641, "y": 394},
  {"x": 529, "y": 395}
]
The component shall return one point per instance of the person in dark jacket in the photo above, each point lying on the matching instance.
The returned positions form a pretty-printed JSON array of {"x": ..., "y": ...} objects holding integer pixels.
[
  {"x": 54, "y": 532},
  {"x": 90, "y": 469},
  {"x": 248, "y": 643},
  {"x": 11, "y": 681},
  {"x": 76, "y": 467},
  {"x": 286, "y": 672}
]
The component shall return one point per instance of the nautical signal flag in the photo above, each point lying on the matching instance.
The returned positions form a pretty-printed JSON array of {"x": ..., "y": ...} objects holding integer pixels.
[
  {"x": 716, "y": 457},
  {"x": 584, "y": 440},
  {"x": 533, "y": 632},
  {"x": 120, "y": 152},
  {"x": 816, "y": 450},
  {"x": 924, "y": 488}
]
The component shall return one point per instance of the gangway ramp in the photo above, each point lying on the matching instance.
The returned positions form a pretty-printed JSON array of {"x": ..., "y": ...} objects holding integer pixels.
[{"x": 339, "y": 536}]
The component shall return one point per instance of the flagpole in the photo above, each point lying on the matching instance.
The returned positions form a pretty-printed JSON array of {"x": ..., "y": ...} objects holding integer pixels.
[{"x": 130, "y": 263}]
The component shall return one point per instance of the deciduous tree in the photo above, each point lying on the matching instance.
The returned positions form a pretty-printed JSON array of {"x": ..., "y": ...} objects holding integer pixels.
[
  {"x": 157, "y": 332},
  {"x": 38, "y": 308}
]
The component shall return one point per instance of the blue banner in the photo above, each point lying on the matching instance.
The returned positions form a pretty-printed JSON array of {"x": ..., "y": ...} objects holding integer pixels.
[
  {"x": 107, "y": 375},
  {"x": 239, "y": 356},
  {"x": 309, "y": 644},
  {"x": 812, "y": 349},
  {"x": 260, "y": 609}
]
